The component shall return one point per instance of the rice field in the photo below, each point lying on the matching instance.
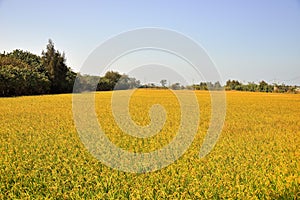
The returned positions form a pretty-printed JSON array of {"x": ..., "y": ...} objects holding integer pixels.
[{"x": 256, "y": 157}]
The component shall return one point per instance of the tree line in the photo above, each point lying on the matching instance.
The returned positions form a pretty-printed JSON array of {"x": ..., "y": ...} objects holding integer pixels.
[
  {"x": 24, "y": 73},
  {"x": 110, "y": 81},
  {"x": 262, "y": 86}
]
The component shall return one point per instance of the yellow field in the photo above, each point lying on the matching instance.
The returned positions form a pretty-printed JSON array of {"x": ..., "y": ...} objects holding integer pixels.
[{"x": 256, "y": 157}]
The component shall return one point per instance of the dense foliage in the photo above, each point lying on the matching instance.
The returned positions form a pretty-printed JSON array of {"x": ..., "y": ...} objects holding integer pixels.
[
  {"x": 22, "y": 77},
  {"x": 23, "y": 73},
  {"x": 115, "y": 81},
  {"x": 61, "y": 77}
]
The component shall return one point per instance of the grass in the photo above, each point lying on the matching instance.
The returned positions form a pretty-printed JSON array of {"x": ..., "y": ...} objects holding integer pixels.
[{"x": 256, "y": 157}]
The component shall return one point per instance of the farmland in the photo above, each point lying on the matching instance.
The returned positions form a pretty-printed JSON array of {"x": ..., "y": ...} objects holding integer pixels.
[{"x": 257, "y": 155}]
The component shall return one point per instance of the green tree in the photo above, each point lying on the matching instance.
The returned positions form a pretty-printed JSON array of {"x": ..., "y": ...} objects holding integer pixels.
[
  {"x": 175, "y": 86},
  {"x": 109, "y": 81},
  {"x": 252, "y": 87},
  {"x": 31, "y": 59},
  {"x": 86, "y": 83},
  {"x": 18, "y": 78},
  {"x": 125, "y": 82},
  {"x": 203, "y": 86},
  {"x": 265, "y": 87},
  {"x": 233, "y": 85},
  {"x": 104, "y": 84},
  {"x": 163, "y": 83},
  {"x": 217, "y": 86},
  {"x": 61, "y": 77}
]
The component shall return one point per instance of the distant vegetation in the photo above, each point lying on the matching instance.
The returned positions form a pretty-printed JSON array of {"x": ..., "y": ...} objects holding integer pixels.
[
  {"x": 24, "y": 73},
  {"x": 110, "y": 81},
  {"x": 262, "y": 86}
]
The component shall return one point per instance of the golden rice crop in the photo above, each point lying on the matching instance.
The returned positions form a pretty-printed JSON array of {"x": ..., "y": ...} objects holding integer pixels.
[{"x": 256, "y": 157}]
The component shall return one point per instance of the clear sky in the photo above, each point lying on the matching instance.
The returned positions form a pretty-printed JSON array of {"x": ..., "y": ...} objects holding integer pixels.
[{"x": 248, "y": 40}]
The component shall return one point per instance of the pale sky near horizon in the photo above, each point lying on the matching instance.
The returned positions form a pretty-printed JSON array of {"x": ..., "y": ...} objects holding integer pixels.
[{"x": 247, "y": 40}]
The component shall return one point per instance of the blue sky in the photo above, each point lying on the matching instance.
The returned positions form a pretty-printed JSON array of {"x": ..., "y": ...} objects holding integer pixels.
[{"x": 248, "y": 40}]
